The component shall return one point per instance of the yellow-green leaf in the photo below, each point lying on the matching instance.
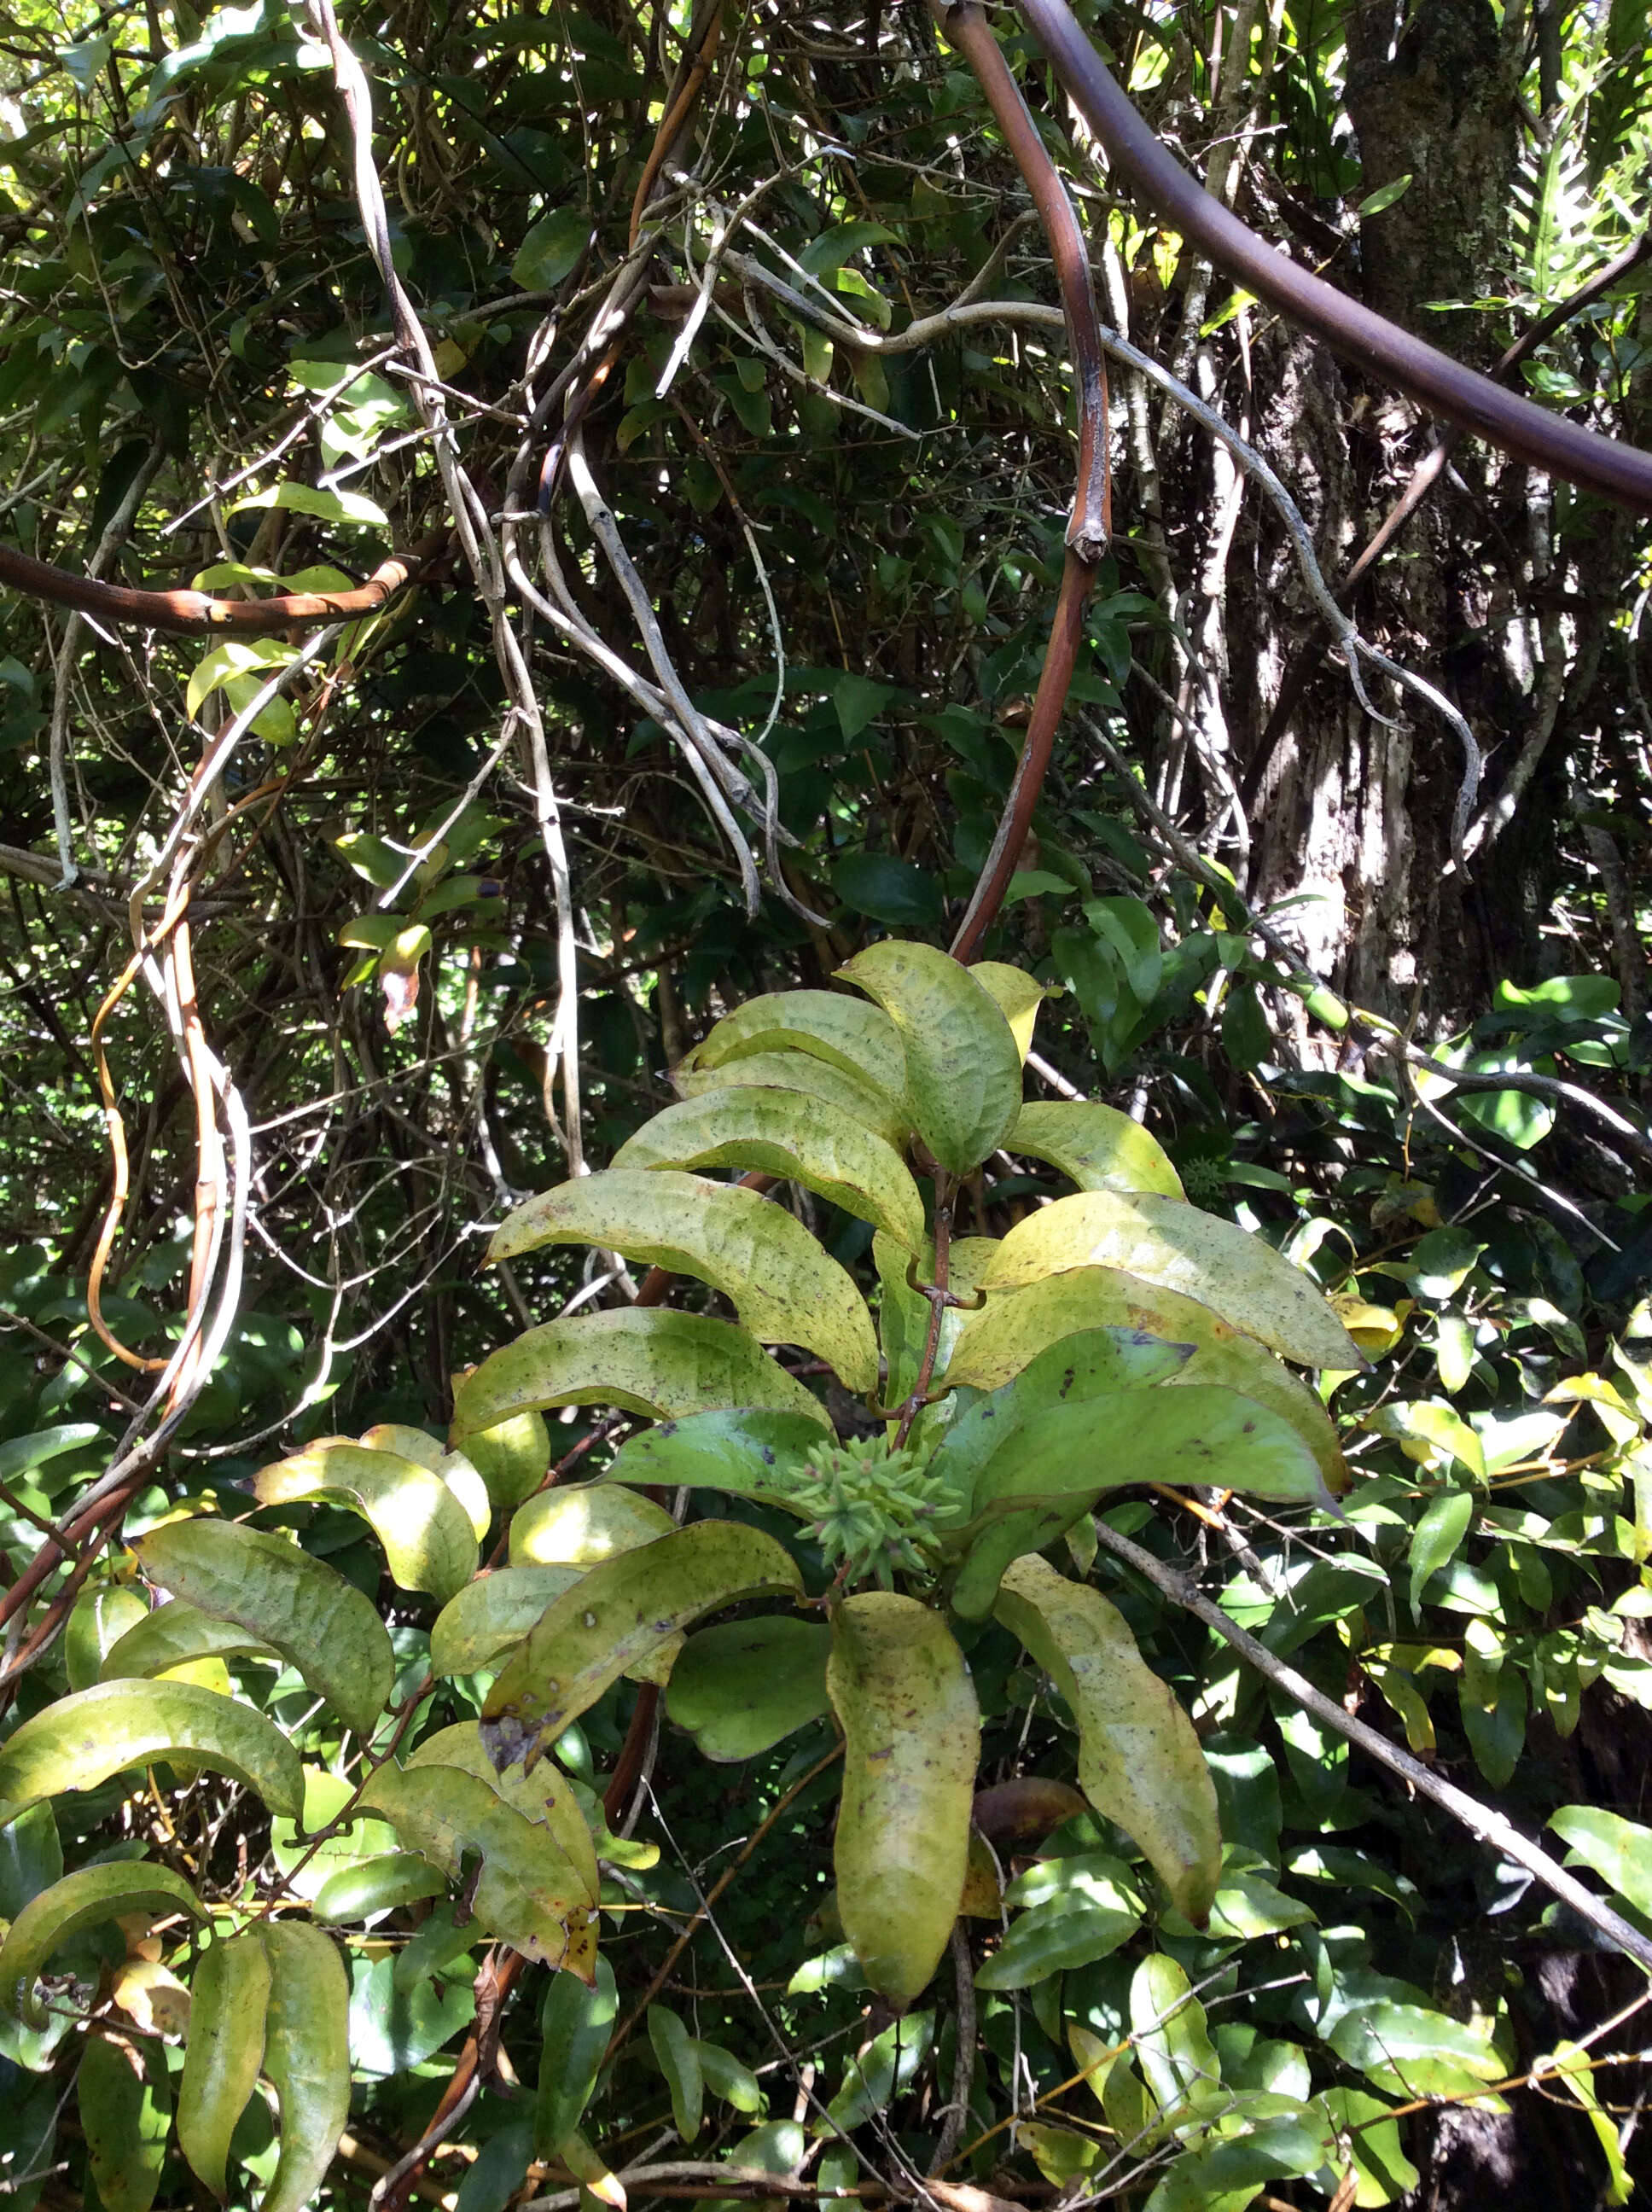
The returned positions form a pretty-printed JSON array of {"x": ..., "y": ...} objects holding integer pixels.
[
  {"x": 428, "y": 1541},
  {"x": 578, "y": 1525},
  {"x": 530, "y": 1894},
  {"x": 962, "y": 1064},
  {"x": 643, "y": 1360},
  {"x": 1017, "y": 995},
  {"x": 615, "y": 1615},
  {"x": 512, "y": 1457},
  {"x": 798, "y": 1138},
  {"x": 474, "y": 1629},
  {"x": 1222, "y": 1266},
  {"x": 813, "y": 1077},
  {"x": 305, "y": 2055},
  {"x": 377, "y": 1885},
  {"x": 79, "y": 1900},
  {"x": 911, "y": 1738},
  {"x": 826, "y": 1025},
  {"x": 319, "y": 1623},
  {"x": 83, "y": 1739},
  {"x": 1097, "y": 1146},
  {"x": 903, "y": 1314},
  {"x": 741, "y": 1686},
  {"x": 97, "y": 1622},
  {"x": 546, "y": 1797},
  {"x": 455, "y": 1468},
  {"x": 179, "y": 1636},
  {"x": 126, "y": 2114},
  {"x": 229, "y": 1996},
  {"x": 1139, "y": 1762},
  {"x": 784, "y": 1287}
]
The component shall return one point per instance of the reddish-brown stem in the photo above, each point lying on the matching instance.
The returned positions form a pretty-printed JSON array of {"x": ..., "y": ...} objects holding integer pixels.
[{"x": 936, "y": 1292}]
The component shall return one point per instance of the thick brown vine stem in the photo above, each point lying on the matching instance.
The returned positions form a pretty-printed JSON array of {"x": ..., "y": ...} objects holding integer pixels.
[
  {"x": 1616, "y": 472},
  {"x": 1091, "y": 525}
]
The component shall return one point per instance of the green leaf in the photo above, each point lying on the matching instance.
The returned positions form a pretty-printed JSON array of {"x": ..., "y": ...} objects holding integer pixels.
[
  {"x": 529, "y": 1893},
  {"x": 1381, "y": 2170},
  {"x": 1052, "y": 1938},
  {"x": 1410, "y": 2051},
  {"x": 1433, "y": 1422},
  {"x": 1385, "y": 196},
  {"x": 1139, "y": 1761},
  {"x": 126, "y": 2113},
  {"x": 1098, "y": 1147},
  {"x": 784, "y": 1287},
  {"x": 582, "y": 1524},
  {"x": 1133, "y": 933},
  {"x": 379, "y": 1885},
  {"x": 663, "y": 1364},
  {"x": 98, "y": 1621},
  {"x": 1018, "y": 998},
  {"x": 83, "y": 1739},
  {"x": 1436, "y": 1538},
  {"x": 320, "y": 1623},
  {"x": 551, "y": 250},
  {"x": 874, "y": 2075},
  {"x": 473, "y": 1631},
  {"x": 79, "y": 1900},
  {"x": 744, "y": 1455},
  {"x": 614, "y": 1616},
  {"x": 428, "y": 1541},
  {"x": 512, "y": 1458},
  {"x": 797, "y": 1139},
  {"x": 546, "y": 1797},
  {"x": 326, "y": 506},
  {"x": 1571, "y": 2064},
  {"x": 575, "y": 2024},
  {"x": 1014, "y": 1327},
  {"x": 962, "y": 1064},
  {"x": 888, "y": 890},
  {"x": 1173, "y": 2046},
  {"x": 725, "y": 2077},
  {"x": 306, "y": 2057},
  {"x": 742, "y": 1685},
  {"x": 912, "y": 1736},
  {"x": 679, "y": 2061},
  {"x": 229, "y": 1997},
  {"x": 174, "y": 1636},
  {"x": 800, "y": 1072},
  {"x": 1619, "y": 1851},
  {"x": 1224, "y": 1266},
  {"x": 827, "y": 1025}
]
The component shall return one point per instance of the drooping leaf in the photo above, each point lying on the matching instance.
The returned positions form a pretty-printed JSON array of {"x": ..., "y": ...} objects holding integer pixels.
[
  {"x": 1015, "y": 1326},
  {"x": 429, "y": 1544},
  {"x": 813, "y": 1077},
  {"x": 784, "y": 1287},
  {"x": 512, "y": 1457},
  {"x": 1434, "y": 1539},
  {"x": 614, "y": 1616},
  {"x": 643, "y": 1360},
  {"x": 743, "y": 1453},
  {"x": 679, "y": 2061},
  {"x": 454, "y": 1467},
  {"x": 545, "y": 1797},
  {"x": 1017, "y": 995},
  {"x": 828, "y": 1025},
  {"x": 1222, "y": 1266},
  {"x": 530, "y": 1894},
  {"x": 84, "y": 1739},
  {"x": 378, "y": 1884},
  {"x": 174, "y": 1636},
  {"x": 576, "y": 1527},
  {"x": 741, "y": 1686},
  {"x": 798, "y": 1138},
  {"x": 912, "y": 1737},
  {"x": 305, "y": 2055},
  {"x": 575, "y": 2025},
  {"x": 79, "y": 1900},
  {"x": 962, "y": 1064},
  {"x": 126, "y": 2113},
  {"x": 1139, "y": 1761},
  {"x": 319, "y": 1623},
  {"x": 229, "y": 1996},
  {"x": 474, "y": 1629},
  {"x": 1099, "y": 1148}
]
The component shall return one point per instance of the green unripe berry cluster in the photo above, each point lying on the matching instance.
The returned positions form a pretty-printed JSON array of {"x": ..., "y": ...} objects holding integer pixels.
[{"x": 870, "y": 1509}]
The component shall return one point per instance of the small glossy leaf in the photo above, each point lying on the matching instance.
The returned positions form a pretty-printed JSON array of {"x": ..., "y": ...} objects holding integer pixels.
[
  {"x": 1172, "y": 2044},
  {"x": 725, "y": 2077},
  {"x": 644, "y": 1361},
  {"x": 512, "y": 1458},
  {"x": 784, "y": 1287},
  {"x": 827, "y": 1025},
  {"x": 744, "y": 1684},
  {"x": 229, "y": 1997},
  {"x": 574, "y": 2027},
  {"x": 876, "y": 2073},
  {"x": 1619, "y": 1851},
  {"x": 126, "y": 2113},
  {"x": 1410, "y": 2051},
  {"x": 79, "y": 1900},
  {"x": 176, "y": 1636},
  {"x": 801, "y": 1073},
  {"x": 576, "y": 1527},
  {"x": 615, "y": 1615},
  {"x": 546, "y": 1797},
  {"x": 380, "y": 1885},
  {"x": 319, "y": 1623},
  {"x": 1097, "y": 1146},
  {"x": 1244, "y": 1279},
  {"x": 474, "y": 1629},
  {"x": 797, "y": 1139},
  {"x": 529, "y": 1892},
  {"x": 1139, "y": 1761},
  {"x": 1019, "y": 998},
  {"x": 912, "y": 1737},
  {"x": 962, "y": 1064},
  {"x": 1436, "y": 1538},
  {"x": 429, "y": 1542},
  {"x": 679, "y": 2061},
  {"x": 84, "y": 1739},
  {"x": 306, "y": 2057},
  {"x": 1053, "y": 1939},
  {"x": 744, "y": 1454}
]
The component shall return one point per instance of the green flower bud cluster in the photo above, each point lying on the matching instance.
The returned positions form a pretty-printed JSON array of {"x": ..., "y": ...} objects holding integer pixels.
[{"x": 868, "y": 1508}]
